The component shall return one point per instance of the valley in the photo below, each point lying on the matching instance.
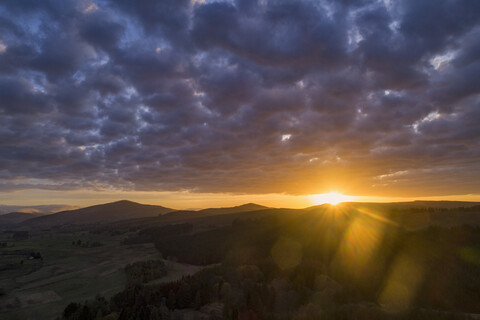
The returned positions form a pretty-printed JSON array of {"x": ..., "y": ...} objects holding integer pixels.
[{"x": 318, "y": 256}]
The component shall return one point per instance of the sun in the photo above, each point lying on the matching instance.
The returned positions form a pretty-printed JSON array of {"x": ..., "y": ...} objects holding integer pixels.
[{"x": 332, "y": 198}]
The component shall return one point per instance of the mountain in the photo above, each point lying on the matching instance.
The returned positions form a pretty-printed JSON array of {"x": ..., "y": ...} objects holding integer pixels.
[
  {"x": 207, "y": 217},
  {"x": 45, "y": 209},
  {"x": 13, "y": 218},
  {"x": 114, "y": 211},
  {"x": 227, "y": 210},
  {"x": 188, "y": 214}
]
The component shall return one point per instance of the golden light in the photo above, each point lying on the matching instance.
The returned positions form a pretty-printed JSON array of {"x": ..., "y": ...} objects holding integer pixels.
[{"x": 332, "y": 198}]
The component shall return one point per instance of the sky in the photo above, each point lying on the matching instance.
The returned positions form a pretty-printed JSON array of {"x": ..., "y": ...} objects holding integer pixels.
[{"x": 185, "y": 102}]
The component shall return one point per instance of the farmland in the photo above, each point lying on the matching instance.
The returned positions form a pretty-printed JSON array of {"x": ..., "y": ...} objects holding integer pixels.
[{"x": 68, "y": 272}]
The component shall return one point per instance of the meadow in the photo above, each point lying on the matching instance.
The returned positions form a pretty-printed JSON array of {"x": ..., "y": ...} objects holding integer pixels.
[{"x": 68, "y": 272}]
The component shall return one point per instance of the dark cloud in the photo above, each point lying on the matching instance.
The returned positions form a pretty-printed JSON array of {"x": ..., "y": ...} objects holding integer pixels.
[
  {"x": 283, "y": 33},
  {"x": 100, "y": 31},
  {"x": 367, "y": 96},
  {"x": 18, "y": 95}
]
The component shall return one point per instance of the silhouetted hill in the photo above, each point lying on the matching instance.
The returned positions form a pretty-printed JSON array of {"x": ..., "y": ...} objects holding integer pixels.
[
  {"x": 406, "y": 204},
  {"x": 190, "y": 214},
  {"x": 416, "y": 214},
  {"x": 114, "y": 211},
  {"x": 412, "y": 215},
  {"x": 43, "y": 209},
  {"x": 237, "y": 209},
  {"x": 13, "y": 218},
  {"x": 191, "y": 217}
]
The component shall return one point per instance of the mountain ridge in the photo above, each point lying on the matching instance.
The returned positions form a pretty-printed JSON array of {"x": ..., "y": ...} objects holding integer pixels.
[
  {"x": 240, "y": 208},
  {"x": 13, "y": 218},
  {"x": 106, "y": 212}
]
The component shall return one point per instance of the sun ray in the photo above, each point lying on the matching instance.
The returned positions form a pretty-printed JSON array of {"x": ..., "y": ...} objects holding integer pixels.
[{"x": 332, "y": 198}]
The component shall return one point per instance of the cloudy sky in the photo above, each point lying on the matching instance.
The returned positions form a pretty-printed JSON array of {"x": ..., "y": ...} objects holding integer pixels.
[{"x": 217, "y": 98}]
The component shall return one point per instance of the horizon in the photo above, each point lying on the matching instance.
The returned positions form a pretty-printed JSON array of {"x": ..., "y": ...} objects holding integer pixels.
[{"x": 231, "y": 204}]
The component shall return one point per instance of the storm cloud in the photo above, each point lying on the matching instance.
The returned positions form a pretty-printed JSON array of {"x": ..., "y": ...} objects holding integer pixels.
[{"x": 367, "y": 97}]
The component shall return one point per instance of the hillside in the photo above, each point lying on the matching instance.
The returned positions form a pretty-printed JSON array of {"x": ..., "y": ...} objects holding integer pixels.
[
  {"x": 205, "y": 218},
  {"x": 44, "y": 209},
  {"x": 408, "y": 214},
  {"x": 114, "y": 211},
  {"x": 237, "y": 209},
  {"x": 416, "y": 214},
  {"x": 347, "y": 261},
  {"x": 13, "y": 218},
  {"x": 406, "y": 205},
  {"x": 190, "y": 214}
]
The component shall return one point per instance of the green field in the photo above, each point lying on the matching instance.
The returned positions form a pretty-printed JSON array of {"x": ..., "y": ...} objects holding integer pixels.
[{"x": 68, "y": 272}]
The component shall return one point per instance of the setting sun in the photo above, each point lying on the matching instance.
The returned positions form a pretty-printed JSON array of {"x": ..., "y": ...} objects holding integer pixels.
[{"x": 332, "y": 198}]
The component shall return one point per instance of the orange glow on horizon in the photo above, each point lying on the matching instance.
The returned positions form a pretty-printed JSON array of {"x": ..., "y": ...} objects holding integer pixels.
[
  {"x": 191, "y": 200},
  {"x": 332, "y": 198}
]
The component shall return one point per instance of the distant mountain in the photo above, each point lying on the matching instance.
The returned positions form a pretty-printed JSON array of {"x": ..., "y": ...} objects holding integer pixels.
[
  {"x": 45, "y": 209},
  {"x": 187, "y": 214},
  {"x": 227, "y": 210},
  {"x": 13, "y": 218},
  {"x": 201, "y": 221},
  {"x": 114, "y": 211}
]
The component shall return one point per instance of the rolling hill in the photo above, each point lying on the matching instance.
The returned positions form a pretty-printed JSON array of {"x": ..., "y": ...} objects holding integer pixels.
[
  {"x": 13, "y": 218},
  {"x": 205, "y": 217},
  {"x": 416, "y": 214},
  {"x": 43, "y": 209},
  {"x": 237, "y": 209},
  {"x": 191, "y": 214},
  {"x": 413, "y": 215},
  {"x": 417, "y": 204},
  {"x": 114, "y": 211}
]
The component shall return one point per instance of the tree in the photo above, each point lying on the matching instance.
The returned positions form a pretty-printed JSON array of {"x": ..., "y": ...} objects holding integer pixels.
[
  {"x": 184, "y": 295},
  {"x": 171, "y": 300},
  {"x": 198, "y": 301},
  {"x": 70, "y": 310}
]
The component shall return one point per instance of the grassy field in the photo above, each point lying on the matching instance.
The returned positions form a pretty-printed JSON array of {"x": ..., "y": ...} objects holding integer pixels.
[
  {"x": 68, "y": 273},
  {"x": 175, "y": 271}
]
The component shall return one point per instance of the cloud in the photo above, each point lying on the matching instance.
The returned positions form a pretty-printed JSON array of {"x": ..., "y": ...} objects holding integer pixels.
[{"x": 202, "y": 95}]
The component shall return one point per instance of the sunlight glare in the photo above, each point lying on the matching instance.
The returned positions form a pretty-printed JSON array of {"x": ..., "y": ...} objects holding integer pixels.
[{"x": 332, "y": 198}]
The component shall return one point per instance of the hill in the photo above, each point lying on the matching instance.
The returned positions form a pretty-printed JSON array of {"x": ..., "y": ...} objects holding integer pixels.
[
  {"x": 410, "y": 215},
  {"x": 13, "y": 218},
  {"x": 406, "y": 205},
  {"x": 237, "y": 209},
  {"x": 114, "y": 211},
  {"x": 190, "y": 214},
  {"x": 44, "y": 209},
  {"x": 354, "y": 261},
  {"x": 416, "y": 214},
  {"x": 205, "y": 218}
]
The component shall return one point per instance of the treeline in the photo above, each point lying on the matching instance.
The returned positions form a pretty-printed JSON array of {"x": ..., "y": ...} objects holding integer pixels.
[
  {"x": 144, "y": 271},
  {"x": 87, "y": 244},
  {"x": 434, "y": 209},
  {"x": 244, "y": 292},
  {"x": 98, "y": 308}
]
